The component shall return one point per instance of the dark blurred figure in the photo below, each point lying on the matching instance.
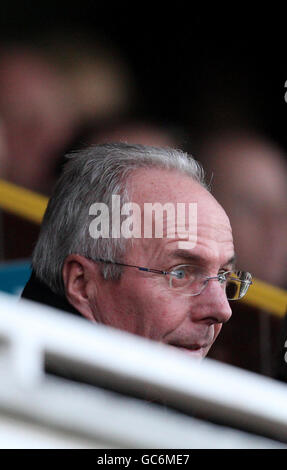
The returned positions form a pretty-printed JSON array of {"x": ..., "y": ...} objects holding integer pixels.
[
  {"x": 3, "y": 150},
  {"x": 248, "y": 176},
  {"x": 96, "y": 71},
  {"x": 36, "y": 115},
  {"x": 47, "y": 95},
  {"x": 51, "y": 91}
]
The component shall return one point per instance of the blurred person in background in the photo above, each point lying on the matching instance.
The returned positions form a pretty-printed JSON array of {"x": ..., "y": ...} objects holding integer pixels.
[
  {"x": 248, "y": 175},
  {"x": 3, "y": 151},
  {"x": 47, "y": 95},
  {"x": 37, "y": 118},
  {"x": 95, "y": 70}
]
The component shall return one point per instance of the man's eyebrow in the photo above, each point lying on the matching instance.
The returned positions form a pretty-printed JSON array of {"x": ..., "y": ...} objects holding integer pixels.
[
  {"x": 232, "y": 261},
  {"x": 197, "y": 259}
]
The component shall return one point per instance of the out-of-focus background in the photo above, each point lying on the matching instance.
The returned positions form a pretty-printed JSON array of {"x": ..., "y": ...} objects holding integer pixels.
[{"x": 211, "y": 85}]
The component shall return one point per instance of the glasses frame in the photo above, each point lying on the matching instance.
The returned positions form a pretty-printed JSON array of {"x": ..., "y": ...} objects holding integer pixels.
[{"x": 220, "y": 277}]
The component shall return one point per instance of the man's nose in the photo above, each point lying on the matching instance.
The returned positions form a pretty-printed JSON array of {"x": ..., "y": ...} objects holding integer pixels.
[{"x": 215, "y": 307}]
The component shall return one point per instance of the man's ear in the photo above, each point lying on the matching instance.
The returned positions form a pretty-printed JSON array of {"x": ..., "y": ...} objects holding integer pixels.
[{"x": 80, "y": 284}]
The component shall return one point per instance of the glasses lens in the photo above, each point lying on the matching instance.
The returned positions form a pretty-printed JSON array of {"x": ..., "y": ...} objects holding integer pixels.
[
  {"x": 182, "y": 278},
  {"x": 185, "y": 280},
  {"x": 237, "y": 285}
]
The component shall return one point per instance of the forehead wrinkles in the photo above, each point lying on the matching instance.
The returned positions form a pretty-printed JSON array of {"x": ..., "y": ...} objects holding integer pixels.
[
  {"x": 163, "y": 186},
  {"x": 217, "y": 229},
  {"x": 214, "y": 232},
  {"x": 214, "y": 239}
]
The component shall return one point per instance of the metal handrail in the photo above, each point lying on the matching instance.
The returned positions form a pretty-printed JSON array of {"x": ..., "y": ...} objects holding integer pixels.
[{"x": 126, "y": 363}]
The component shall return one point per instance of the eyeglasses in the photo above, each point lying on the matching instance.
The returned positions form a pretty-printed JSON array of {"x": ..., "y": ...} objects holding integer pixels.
[{"x": 185, "y": 280}]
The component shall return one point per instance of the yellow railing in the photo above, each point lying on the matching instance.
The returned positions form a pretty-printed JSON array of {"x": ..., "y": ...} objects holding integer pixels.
[
  {"x": 31, "y": 206},
  {"x": 22, "y": 202},
  {"x": 268, "y": 297}
]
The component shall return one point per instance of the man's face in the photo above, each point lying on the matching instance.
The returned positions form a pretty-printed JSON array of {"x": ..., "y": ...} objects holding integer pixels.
[{"x": 143, "y": 303}]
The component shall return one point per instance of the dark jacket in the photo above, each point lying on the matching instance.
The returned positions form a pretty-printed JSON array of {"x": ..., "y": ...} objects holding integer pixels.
[{"x": 37, "y": 291}]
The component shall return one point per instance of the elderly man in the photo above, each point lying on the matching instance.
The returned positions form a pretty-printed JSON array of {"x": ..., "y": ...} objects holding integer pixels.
[{"x": 172, "y": 287}]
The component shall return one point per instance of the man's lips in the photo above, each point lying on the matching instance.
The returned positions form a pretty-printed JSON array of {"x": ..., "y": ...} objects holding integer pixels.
[
  {"x": 190, "y": 347},
  {"x": 198, "y": 351}
]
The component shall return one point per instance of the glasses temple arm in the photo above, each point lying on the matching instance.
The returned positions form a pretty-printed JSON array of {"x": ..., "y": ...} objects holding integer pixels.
[{"x": 157, "y": 271}]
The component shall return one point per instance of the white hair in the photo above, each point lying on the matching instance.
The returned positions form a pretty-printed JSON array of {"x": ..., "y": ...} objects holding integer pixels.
[{"x": 95, "y": 174}]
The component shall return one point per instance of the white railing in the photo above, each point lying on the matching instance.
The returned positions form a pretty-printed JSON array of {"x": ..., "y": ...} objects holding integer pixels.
[{"x": 98, "y": 417}]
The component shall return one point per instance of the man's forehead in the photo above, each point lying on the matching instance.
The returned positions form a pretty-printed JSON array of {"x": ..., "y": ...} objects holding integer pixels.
[
  {"x": 213, "y": 228},
  {"x": 170, "y": 186},
  {"x": 160, "y": 185},
  {"x": 205, "y": 252}
]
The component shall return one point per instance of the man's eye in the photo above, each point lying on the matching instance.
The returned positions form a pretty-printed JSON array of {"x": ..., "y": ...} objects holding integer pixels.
[
  {"x": 183, "y": 272},
  {"x": 179, "y": 273}
]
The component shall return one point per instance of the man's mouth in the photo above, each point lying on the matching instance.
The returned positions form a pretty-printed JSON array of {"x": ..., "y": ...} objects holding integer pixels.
[{"x": 192, "y": 349}]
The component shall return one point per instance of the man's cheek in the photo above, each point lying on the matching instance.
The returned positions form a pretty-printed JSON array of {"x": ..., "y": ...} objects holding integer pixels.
[{"x": 159, "y": 320}]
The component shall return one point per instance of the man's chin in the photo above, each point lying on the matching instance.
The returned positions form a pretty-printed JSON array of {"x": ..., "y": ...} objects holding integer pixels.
[{"x": 198, "y": 353}]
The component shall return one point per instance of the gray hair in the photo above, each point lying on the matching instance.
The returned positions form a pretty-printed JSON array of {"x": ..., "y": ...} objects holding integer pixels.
[{"x": 95, "y": 174}]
